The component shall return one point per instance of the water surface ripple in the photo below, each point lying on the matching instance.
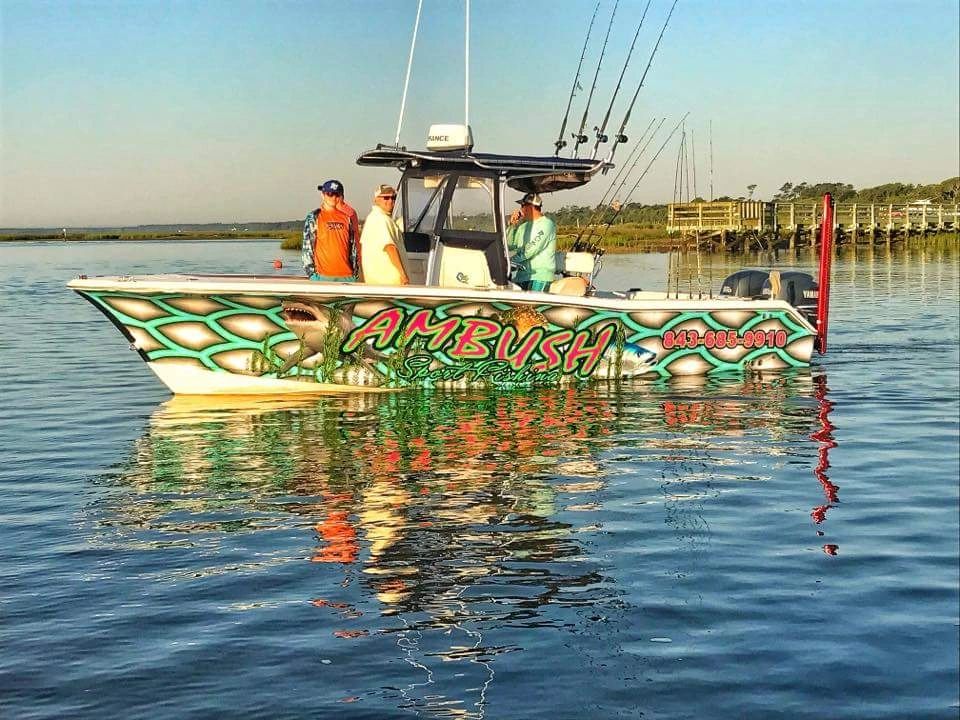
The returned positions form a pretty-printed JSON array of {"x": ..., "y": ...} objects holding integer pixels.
[{"x": 777, "y": 547}]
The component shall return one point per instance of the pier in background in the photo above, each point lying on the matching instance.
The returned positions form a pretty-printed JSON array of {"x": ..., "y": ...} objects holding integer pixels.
[{"x": 754, "y": 224}]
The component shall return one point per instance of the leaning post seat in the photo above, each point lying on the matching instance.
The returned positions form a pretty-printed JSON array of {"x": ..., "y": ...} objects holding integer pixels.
[
  {"x": 576, "y": 263},
  {"x": 577, "y": 270}
]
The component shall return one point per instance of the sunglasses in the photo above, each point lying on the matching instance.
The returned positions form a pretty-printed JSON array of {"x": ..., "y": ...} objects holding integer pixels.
[{"x": 389, "y": 197}]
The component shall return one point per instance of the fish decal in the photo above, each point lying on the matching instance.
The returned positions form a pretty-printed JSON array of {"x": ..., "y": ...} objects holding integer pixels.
[
  {"x": 320, "y": 328},
  {"x": 524, "y": 318},
  {"x": 634, "y": 360}
]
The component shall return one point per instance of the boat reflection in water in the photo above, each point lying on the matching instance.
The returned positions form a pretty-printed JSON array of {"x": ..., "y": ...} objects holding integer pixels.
[{"x": 445, "y": 521}]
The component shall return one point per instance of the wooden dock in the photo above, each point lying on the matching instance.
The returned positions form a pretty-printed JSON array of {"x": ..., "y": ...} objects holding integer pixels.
[{"x": 751, "y": 224}]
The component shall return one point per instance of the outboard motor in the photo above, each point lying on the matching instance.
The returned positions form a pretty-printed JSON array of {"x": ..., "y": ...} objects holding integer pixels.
[
  {"x": 745, "y": 284},
  {"x": 797, "y": 288}
]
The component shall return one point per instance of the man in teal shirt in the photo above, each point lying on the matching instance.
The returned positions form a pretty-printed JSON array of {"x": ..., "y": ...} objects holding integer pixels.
[{"x": 532, "y": 241}]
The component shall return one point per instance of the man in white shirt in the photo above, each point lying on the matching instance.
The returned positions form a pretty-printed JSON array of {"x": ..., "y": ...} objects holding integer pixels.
[{"x": 379, "y": 256}]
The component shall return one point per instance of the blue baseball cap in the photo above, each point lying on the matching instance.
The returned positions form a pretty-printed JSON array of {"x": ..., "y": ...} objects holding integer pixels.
[{"x": 334, "y": 187}]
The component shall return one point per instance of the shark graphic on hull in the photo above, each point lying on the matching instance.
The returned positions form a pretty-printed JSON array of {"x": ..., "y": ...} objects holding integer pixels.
[{"x": 320, "y": 329}]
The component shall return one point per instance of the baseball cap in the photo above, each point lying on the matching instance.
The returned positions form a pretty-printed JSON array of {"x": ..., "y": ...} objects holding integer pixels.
[
  {"x": 331, "y": 186},
  {"x": 385, "y": 191},
  {"x": 531, "y": 199}
]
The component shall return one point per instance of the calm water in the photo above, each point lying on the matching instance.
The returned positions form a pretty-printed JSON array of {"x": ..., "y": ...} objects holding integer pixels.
[{"x": 785, "y": 547}]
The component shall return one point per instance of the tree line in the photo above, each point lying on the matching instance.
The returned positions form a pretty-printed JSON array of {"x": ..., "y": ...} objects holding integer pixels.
[{"x": 947, "y": 191}]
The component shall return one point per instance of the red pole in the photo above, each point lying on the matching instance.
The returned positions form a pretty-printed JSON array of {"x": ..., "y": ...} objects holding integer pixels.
[{"x": 826, "y": 256}]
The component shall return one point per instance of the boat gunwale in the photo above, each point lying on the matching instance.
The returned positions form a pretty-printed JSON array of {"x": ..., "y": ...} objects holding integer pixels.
[{"x": 301, "y": 287}]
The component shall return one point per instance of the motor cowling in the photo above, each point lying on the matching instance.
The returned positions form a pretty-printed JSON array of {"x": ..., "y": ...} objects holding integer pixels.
[
  {"x": 745, "y": 284},
  {"x": 797, "y": 288}
]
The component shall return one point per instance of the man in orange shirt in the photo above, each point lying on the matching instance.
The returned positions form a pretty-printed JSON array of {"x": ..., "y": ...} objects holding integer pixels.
[
  {"x": 329, "y": 246},
  {"x": 344, "y": 207}
]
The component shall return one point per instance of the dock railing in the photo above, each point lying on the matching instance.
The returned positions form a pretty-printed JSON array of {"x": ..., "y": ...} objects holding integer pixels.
[
  {"x": 732, "y": 216},
  {"x": 747, "y": 215}
]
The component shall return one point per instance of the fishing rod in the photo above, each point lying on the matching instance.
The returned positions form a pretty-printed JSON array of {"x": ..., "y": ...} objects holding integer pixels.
[
  {"x": 561, "y": 143},
  {"x": 597, "y": 215},
  {"x": 677, "y": 177},
  {"x": 627, "y": 168},
  {"x": 626, "y": 200},
  {"x": 601, "y": 138},
  {"x": 681, "y": 168},
  {"x": 693, "y": 156},
  {"x": 580, "y": 138},
  {"x": 622, "y": 175},
  {"x": 711, "y": 160},
  {"x": 620, "y": 137}
]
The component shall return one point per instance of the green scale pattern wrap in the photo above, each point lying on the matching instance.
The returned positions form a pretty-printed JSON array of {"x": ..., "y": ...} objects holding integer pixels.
[{"x": 164, "y": 314}]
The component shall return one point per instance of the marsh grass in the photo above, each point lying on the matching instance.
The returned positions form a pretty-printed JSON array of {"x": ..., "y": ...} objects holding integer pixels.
[
  {"x": 618, "y": 238},
  {"x": 84, "y": 236}
]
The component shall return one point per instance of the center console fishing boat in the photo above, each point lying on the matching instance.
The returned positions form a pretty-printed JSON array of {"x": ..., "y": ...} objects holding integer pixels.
[{"x": 462, "y": 321}]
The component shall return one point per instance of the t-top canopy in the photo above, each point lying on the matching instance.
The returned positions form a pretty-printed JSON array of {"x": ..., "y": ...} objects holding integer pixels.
[{"x": 523, "y": 173}]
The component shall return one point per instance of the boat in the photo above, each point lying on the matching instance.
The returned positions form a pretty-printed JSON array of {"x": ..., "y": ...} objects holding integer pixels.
[{"x": 461, "y": 322}]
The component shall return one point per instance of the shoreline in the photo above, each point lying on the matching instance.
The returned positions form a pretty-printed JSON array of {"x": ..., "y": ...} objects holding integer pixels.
[
  {"x": 141, "y": 236},
  {"x": 640, "y": 240}
]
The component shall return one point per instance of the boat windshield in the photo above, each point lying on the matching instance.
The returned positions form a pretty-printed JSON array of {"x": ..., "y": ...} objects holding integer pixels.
[
  {"x": 469, "y": 205},
  {"x": 472, "y": 205},
  {"x": 422, "y": 200}
]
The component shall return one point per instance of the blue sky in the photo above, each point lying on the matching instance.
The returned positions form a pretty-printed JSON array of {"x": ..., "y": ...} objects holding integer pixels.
[{"x": 127, "y": 112}]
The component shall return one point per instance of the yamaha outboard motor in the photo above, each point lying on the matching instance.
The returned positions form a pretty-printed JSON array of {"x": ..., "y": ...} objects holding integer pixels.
[
  {"x": 797, "y": 288},
  {"x": 745, "y": 284}
]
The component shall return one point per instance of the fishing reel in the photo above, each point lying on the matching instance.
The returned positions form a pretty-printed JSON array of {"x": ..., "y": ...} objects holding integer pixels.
[
  {"x": 580, "y": 139},
  {"x": 601, "y": 138},
  {"x": 621, "y": 138},
  {"x": 586, "y": 246},
  {"x": 559, "y": 145}
]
